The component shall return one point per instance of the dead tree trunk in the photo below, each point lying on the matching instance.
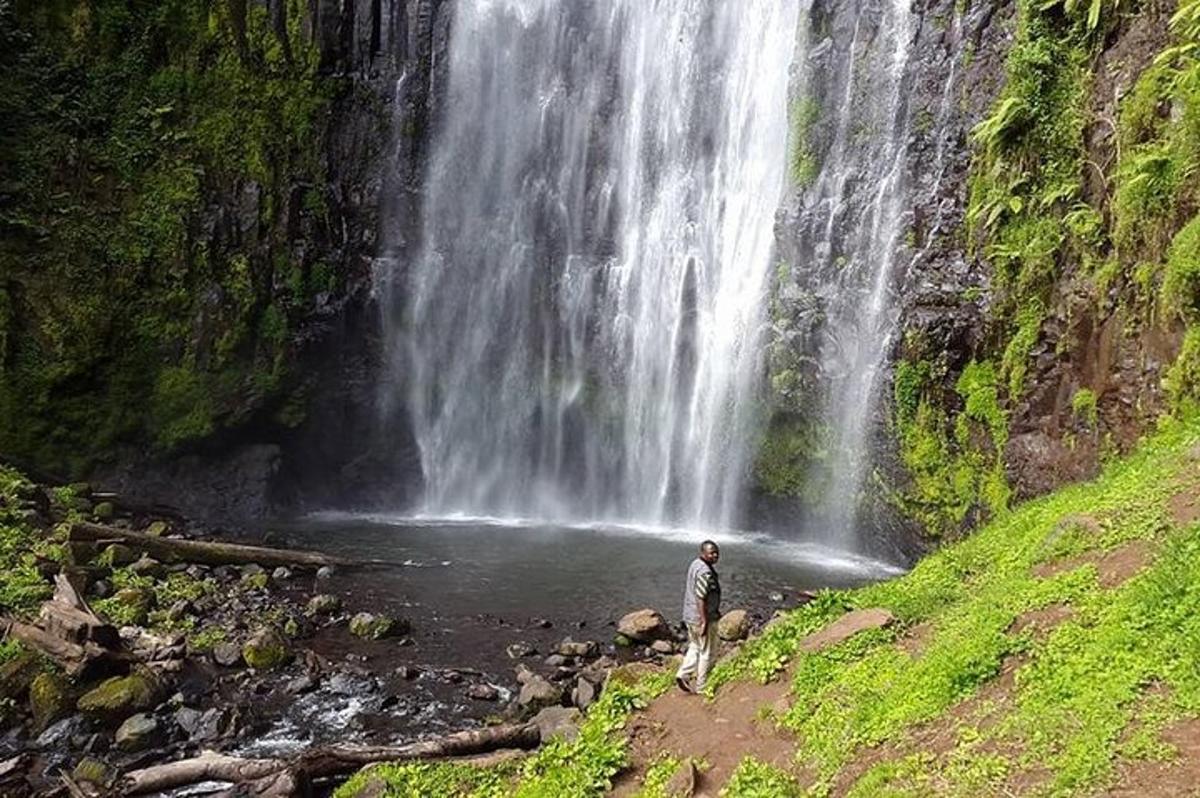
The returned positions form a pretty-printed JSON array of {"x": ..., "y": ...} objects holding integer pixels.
[
  {"x": 203, "y": 552},
  {"x": 283, "y": 777}
]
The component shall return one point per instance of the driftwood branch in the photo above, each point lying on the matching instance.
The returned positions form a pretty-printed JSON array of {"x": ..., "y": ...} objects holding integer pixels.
[
  {"x": 283, "y": 777},
  {"x": 203, "y": 552},
  {"x": 78, "y": 660}
]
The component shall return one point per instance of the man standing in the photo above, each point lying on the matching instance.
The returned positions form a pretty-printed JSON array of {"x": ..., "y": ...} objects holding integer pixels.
[{"x": 701, "y": 611}]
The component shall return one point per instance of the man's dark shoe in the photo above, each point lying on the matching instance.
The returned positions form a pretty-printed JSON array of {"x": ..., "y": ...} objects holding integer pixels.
[{"x": 683, "y": 684}]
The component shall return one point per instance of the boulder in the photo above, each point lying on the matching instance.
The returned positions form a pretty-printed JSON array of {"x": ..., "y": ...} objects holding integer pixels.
[
  {"x": 537, "y": 693},
  {"x": 642, "y": 626},
  {"x": 584, "y": 693},
  {"x": 266, "y": 649},
  {"x": 556, "y": 660},
  {"x": 558, "y": 722},
  {"x": 137, "y": 733},
  {"x": 49, "y": 699},
  {"x": 571, "y": 648},
  {"x": 104, "y": 511},
  {"x": 377, "y": 627},
  {"x": 322, "y": 604},
  {"x": 734, "y": 625},
  {"x": 662, "y": 647},
  {"x": 18, "y": 674},
  {"x": 121, "y": 696},
  {"x": 281, "y": 574}
]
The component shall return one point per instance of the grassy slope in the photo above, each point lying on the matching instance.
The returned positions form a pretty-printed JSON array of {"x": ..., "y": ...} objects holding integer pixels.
[{"x": 1096, "y": 690}]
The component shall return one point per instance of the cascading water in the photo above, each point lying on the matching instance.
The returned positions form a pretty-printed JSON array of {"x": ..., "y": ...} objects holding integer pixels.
[
  {"x": 848, "y": 235},
  {"x": 581, "y": 328}
]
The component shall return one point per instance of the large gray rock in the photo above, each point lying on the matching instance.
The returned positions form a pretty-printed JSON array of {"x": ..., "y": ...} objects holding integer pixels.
[
  {"x": 138, "y": 732},
  {"x": 642, "y": 626},
  {"x": 558, "y": 722}
]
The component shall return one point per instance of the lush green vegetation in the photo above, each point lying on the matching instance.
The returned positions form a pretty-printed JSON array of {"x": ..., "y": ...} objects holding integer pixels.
[
  {"x": 951, "y": 474},
  {"x": 157, "y": 155},
  {"x": 1079, "y": 691}
]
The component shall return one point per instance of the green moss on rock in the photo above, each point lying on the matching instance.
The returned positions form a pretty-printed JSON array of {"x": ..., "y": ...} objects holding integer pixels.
[
  {"x": 119, "y": 697},
  {"x": 49, "y": 699},
  {"x": 266, "y": 650}
]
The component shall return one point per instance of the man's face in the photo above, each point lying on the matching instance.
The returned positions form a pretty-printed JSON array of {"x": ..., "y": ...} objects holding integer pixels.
[{"x": 711, "y": 556}]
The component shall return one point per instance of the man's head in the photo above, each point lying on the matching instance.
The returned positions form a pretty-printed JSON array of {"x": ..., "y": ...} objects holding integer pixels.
[{"x": 710, "y": 552}]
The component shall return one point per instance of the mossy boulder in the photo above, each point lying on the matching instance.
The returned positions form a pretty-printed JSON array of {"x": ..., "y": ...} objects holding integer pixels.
[
  {"x": 118, "y": 555},
  {"x": 158, "y": 529},
  {"x": 49, "y": 699},
  {"x": 92, "y": 771},
  {"x": 18, "y": 674},
  {"x": 131, "y": 605},
  {"x": 104, "y": 511},
  {"x": 323, "y": 604},
  {"x": 266, "y": 649},
  {"x": 377, "y": 627},
  {"x": 119, "y": 697}
]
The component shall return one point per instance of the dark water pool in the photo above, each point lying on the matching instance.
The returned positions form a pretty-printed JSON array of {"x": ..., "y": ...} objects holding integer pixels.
[{"x": 458, "y": 577}]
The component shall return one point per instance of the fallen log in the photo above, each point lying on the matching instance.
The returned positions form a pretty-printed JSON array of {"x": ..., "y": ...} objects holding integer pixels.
[
  {"x": 81, "y": 661},
  {"x": 282, "y": 777},
  {"x": 201, "y": 552}
]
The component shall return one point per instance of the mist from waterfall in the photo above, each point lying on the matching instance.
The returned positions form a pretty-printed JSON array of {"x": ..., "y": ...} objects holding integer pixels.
[
  {"x": 581, "y": 327},
  {"x": 849, "y": 235}
]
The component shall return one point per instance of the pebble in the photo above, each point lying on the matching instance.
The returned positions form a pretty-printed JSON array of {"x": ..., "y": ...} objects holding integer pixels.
[
  {"x": 325, "y": 572},
  {"x": 483, "y": 692}
]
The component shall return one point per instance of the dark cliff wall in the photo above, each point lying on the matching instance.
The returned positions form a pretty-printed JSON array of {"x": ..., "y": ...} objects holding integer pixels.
[
  {"x": 191, "y": 205},
  {"x": 1045, "y": 316}
]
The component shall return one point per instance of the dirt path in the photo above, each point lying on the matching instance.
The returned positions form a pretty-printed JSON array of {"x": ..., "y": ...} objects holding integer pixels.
[{"x": 737, "y": 722}]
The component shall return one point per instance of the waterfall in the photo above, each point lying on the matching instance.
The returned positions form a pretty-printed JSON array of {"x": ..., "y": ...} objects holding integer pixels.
[
  {"x": 581, "y": 327},
  {"x": 848, "y": 235}
]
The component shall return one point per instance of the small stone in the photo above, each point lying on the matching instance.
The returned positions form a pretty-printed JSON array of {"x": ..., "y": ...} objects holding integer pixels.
[
  {"x": 540, "y": 623},
  {"x": 642, "y": 626},
  {"x": 571, "y": 648},
  {"x": 524, "y": 673},
  {"x": 136, "y": 733},
  {"x": 519, "y": 650},
  {"x": 266, "y": 650},
  {"x": 621, "y": 640},
  {"x": 90, "y": 770},
  {"x": 556, "y": 660},
  {"x": 483, "y": 692},
  {"x": 101, "y": 589},
  {"x": 104, "y": 511},
  {"x": 537, "y": 692},
  {"x": 252, "y": 569},
  {"x": 281, "y": 574},
  {"x": 157, "y": 529},
  {"x": 180, "y": 610},
  {"x": 322, "y": 604},
  {"x": 584, "y": 693},
  {"x": 301, "y": 684},
  {"x": 662, "y": 647},
  {"x": 734, "y": 625},
  {"x": 227, "y": 654},
  {"x": 776, "y": 597},
  {"x": 255, "y": 581},
  {"x": 148, "y": 566},
  {"x": 377, "y": 627},
  {"x": 325, "y": 572},
  {"x": 118, "y": 554},
  {"x": 407, "y": 672},
  {"x": 682, "y": 783}
]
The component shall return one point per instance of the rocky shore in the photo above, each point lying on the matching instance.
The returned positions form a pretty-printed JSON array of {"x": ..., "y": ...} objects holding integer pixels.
[{"x": 178, "y": 643}]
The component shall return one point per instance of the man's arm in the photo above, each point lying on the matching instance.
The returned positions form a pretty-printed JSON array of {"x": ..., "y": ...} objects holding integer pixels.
[{"x": 703, "y": 615}]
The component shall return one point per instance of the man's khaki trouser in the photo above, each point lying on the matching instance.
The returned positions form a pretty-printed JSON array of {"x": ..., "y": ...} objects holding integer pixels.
[{"x": 700, "y": 650}]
